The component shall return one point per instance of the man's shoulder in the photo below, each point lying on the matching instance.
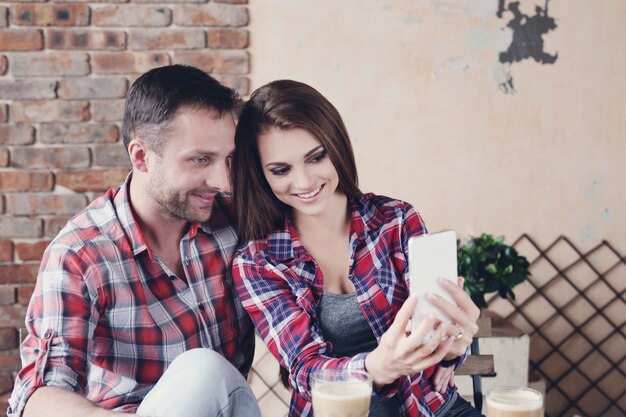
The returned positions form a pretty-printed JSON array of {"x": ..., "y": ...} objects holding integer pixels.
[{"x": 96, "y": 221}]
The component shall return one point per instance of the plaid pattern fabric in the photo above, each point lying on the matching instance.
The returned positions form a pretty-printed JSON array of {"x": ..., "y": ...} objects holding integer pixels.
[
  {"x": 280, "y": 285},
  {"x": 107, "y": 317}
]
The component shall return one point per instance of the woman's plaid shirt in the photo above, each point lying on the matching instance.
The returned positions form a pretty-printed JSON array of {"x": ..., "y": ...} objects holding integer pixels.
[
  {"x": 280, "y": 285},
  {"x": 107, "y": 317}
]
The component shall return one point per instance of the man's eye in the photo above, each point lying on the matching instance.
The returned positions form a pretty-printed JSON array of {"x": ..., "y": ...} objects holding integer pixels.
[{"x": 201, "y": 160}]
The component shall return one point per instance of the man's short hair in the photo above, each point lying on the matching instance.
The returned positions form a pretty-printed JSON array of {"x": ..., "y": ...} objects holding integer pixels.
[{"x": 156, "y": 96}]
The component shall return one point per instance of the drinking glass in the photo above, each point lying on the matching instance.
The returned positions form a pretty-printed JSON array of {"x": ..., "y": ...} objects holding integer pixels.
[
  {"x": 514, "y": 402},
  {"x": 341, "y": 393}
]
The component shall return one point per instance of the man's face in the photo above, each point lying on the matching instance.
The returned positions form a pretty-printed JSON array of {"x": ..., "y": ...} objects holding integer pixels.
[{"x": 194, "y": 164}]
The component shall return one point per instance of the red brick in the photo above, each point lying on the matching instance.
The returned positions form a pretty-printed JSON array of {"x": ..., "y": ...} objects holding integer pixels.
[
  {"x": 107, "y": 110},
  {"x": 150, "y": 39},
  {"x": 4, "y": 400},
  {"x": 31, "y": 251},
  {"x": 78, "y": 133},
  {"x": 17, "y": 135},
  {"x": 19, "y": 273},
  {"x": 4, "y": 22},
  {"x": 54, "y": 224},
  {"x": 4, "y": 159},
  {"x": 28, "y": 89},
  {"x": 17, "y": 227},
  {"x": 6, "y": 381},
  {"x": 132, "y": 16},
  {"x": 50, "y": 64},
  {"x": 210, "y": 15},
  {"x": 24, "y": 293},
  {"x": 241, "y": 84},
  {"x": 50, "y": 15},
  {"x": 128, "y": 62},
  {"x": 85, "y": 39},
  {"x": 91, "y": 180},
  {"x": 221, "y": 61},
  {"x": 6, "y": 251},
  {"x": 4, "y": 64},
  {"x": 51, "y": 157},
  {"x": 87, "y": 88},
  {"x": 111, "y": 156},
  {"x": 228, "y": 38},
  {"x": 8, "y": 340},
  {"x": 21, "y": 40},
  {"x": 29, "y": 204},
  {"x": 49, "y": 111},
  {"x": 10, "y": 359},
  {"x": 26, "y": 181},
  {"x": 3, "y": 113},
  {"x": 7, "y": 295}
]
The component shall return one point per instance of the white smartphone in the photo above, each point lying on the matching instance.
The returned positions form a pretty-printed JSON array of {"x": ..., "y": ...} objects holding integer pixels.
[{"x": 431, "y": 256}]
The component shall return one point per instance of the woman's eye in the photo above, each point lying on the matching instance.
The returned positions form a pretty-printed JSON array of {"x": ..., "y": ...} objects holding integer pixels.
[
  {"x": 280, "y": 171},
  {"x": 318, "y": 156}
]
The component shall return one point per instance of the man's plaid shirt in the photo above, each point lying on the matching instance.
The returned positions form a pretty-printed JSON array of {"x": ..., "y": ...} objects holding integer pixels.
[
  {"x": 107, "y": 317},
  {"x": 280, "y": 285}
]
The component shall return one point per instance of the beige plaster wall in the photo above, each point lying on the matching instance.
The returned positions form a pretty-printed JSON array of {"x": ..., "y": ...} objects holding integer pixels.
[{"x": 418, "y": 85}]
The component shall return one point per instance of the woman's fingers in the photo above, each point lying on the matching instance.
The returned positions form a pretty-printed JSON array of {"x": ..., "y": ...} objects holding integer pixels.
[
  {"x": 426, "y": 326},
  {"x": 397, "y": 328},
  {"x": 426, "y": 357}
]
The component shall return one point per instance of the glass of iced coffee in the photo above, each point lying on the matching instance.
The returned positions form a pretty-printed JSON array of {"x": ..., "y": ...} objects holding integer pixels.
[
  {"x": 514, "y": 402},
  {"x": 341, "y": 393}
]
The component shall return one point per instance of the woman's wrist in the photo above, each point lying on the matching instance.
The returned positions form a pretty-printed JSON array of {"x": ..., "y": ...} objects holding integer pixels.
[{"x": 377, "y": 372}]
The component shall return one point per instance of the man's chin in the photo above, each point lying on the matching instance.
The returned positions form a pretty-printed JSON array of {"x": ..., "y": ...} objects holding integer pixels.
[{"x": 199, "y": 215}]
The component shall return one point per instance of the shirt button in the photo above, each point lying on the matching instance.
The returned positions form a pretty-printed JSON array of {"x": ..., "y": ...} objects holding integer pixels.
[
  {"x": 186, "y": 261},
  {"x": 201, "y": 307},
  {"x": 172, "y": 277},
  {"x": 368, "y": 306},
  {"x": 48, "y": 334}
]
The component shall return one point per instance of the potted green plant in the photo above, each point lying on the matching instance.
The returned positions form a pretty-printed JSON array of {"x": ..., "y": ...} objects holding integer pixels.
[{"x": 489, "y": 265}]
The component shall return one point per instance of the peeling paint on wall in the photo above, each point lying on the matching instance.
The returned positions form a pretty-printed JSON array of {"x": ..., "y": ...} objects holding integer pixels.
[
  {"x": 588, "y": 234},
  {"x": 527, "y": 41},
  {"x": 607, "y": 215},
  {"x": 591, "y": 191}
]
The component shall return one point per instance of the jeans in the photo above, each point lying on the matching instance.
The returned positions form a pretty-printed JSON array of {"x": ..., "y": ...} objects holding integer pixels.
[
  {"x": 200, "y": 383},
  {"x": 461, "y": 408}
]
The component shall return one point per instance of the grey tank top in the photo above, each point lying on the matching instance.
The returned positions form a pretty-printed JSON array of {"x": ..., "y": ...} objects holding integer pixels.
[{"x": 344, "y": 325}]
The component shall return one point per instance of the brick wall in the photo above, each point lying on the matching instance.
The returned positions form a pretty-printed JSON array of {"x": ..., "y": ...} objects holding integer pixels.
[{"x": 64, "y": 72}]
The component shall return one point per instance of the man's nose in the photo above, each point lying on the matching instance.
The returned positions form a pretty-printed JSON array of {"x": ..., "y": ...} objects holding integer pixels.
[{"x": 219, "y": 178}]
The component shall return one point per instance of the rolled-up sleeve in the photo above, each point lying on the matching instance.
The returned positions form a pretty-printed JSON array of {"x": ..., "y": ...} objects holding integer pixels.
[{"x": 60, "y": 320}]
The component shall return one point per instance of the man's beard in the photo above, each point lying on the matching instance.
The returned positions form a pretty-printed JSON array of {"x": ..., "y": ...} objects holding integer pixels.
[{"x": 171, "y": 202}]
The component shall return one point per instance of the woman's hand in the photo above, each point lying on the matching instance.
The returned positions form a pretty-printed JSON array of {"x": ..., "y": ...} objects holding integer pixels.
[
  {"x": 443, "y": 378},
  {"x": 400, "y": 353},
  {"x": 463, "y": 316}
]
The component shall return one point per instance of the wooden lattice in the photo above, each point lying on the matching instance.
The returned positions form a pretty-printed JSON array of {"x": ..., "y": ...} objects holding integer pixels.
[{"x": 573, "y": 307}]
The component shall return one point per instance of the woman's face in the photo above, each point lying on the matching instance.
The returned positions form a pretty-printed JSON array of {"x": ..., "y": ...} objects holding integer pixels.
[{"x": 298, "y": 169}]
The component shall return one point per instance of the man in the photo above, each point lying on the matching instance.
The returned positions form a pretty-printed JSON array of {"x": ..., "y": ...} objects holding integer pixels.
[{"x": 138, "y": 279}]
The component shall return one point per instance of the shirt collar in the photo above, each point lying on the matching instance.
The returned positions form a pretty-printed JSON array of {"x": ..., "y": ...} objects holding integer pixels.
[
  {"x": 284, "y": 244},
  {"x": 138, "y": 241}
]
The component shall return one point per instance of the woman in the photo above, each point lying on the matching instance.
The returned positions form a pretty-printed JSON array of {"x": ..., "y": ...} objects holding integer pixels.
[{"x": 322, "y": 267}]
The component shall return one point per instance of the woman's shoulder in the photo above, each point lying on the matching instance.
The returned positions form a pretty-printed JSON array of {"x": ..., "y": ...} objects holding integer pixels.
[
  {"x": 251, "y": 249},
  {"x": 385, "y": 204}
]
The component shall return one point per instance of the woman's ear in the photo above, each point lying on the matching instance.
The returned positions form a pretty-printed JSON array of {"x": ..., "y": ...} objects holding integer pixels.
[{"x": 137, "y": 151}]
